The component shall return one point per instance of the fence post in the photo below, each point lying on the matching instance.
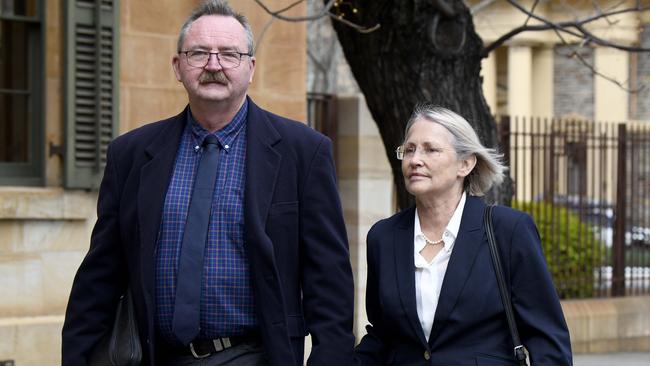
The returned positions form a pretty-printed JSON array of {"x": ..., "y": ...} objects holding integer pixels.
[
  {"x": 549, "y": 194},
  {"x": 618, "y": 270}
]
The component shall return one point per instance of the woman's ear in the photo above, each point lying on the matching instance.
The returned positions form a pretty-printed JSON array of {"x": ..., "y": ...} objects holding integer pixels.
[{"x": 467, "y": 164}]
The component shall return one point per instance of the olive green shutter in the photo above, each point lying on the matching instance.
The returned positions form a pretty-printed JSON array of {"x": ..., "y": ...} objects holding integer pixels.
[{"x": 91, "y": 90}]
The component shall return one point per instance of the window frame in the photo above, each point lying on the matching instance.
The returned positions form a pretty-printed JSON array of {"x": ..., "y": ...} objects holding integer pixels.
[{"x": 32, "y": 172}]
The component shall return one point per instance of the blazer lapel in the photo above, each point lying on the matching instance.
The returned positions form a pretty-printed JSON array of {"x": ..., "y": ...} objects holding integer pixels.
[
  {"x": 262, "y": 167},
  {"x": 405, "y": 270},
  {"x": 466, "y": 247},
  {"x": 154, "y": 179}
]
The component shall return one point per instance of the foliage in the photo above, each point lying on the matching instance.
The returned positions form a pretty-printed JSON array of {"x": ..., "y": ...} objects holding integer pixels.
[{"x": 570, "y": 245}]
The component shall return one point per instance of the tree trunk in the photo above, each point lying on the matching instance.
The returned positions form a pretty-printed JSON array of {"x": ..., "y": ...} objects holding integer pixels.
[{"x": 418, "y": 54}]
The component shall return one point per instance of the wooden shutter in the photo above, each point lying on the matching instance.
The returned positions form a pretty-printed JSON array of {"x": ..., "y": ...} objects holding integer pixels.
[{"x": 91, "y": 90}]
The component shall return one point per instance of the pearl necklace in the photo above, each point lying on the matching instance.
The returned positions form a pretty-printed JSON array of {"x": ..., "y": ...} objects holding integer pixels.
[{"x": 429, "y": 241}]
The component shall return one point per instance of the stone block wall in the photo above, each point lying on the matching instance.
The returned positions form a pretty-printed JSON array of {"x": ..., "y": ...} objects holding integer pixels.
[
  {"x": 573, "y": 82},
  {"x": 44, "y": 236},
  {"x": 643, "y": 77}
]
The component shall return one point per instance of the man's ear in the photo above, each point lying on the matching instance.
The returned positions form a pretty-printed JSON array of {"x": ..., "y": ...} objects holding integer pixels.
[
  {"x": 252, "y": 66},
  {"x": 176, "y": 61}
]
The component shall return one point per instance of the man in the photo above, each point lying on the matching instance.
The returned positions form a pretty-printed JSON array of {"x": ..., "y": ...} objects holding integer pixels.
[{"x": 273, "y": 262}]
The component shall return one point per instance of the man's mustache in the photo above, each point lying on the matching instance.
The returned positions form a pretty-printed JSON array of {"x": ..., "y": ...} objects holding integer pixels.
[{"x": 212, "y": 77}]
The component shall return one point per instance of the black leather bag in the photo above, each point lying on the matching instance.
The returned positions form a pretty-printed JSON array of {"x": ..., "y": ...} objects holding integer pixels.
[{"x": 121, "y": 346}]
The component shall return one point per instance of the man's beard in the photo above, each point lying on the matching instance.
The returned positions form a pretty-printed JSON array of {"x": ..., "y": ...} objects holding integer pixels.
[{"x": 213, "y": 77}]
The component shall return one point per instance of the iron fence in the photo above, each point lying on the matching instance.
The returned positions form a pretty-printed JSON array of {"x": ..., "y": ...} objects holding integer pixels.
[{"x": 587, "y": 184}]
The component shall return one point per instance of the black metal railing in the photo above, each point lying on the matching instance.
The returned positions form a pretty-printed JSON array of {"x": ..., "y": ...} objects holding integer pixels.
[{"x": 587, "y": 184}]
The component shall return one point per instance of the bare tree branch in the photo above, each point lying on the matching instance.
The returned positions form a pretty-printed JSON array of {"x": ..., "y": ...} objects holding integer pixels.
[
  {"x": 587, "y": 37},
  {"x": 591, "y": 67},
  {"x": 527, "y": 28},
  {"x": 326, "y": 11},
  {"x": 599, "y": 10},
  {"x": 532, "y": 10},
  {"x": 358, "y": 28},
  {"x": 575, "y": 28},
  {"x": 481, "y": 6},
  {"x": 278, "y": 14},
  {"x": 444, "y": 8}
]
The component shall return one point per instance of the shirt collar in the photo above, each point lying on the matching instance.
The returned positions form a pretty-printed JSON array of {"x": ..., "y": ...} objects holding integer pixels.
[
  {"x": 451, "y": 231},
  {"x": 227, "y": 134}
]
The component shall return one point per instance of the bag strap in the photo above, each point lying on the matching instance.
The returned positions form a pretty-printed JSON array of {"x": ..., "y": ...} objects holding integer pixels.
[{"x": 521, "y": 354}]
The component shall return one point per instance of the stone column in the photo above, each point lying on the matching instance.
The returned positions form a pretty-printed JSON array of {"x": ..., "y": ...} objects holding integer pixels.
[
  {"x": 542, "y": 82},
  {"x": 489, "y": 75},
  {"x": 520, "y": 80},
  {"x": 520, "y": 107},
  {"x": 365, "y": 185},
  {"x": 611, "y": 100}
]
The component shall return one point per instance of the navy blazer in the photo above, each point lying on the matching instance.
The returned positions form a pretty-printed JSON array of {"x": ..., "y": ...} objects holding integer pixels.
[
  {"x": 295, "y": 240},
  {"x": 470, "y": 326}
]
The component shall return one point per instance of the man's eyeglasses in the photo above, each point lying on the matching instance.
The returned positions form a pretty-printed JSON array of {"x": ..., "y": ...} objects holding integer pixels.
[{"x": 227, "y": 60}]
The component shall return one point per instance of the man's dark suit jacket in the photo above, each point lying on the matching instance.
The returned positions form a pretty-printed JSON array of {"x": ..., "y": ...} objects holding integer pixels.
[
  {"x": 295, "y": 240},
  {"x": 470, "y": 326}
]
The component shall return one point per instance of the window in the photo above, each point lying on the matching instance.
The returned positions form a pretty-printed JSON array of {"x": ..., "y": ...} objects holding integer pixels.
[{"x": 21, "y": 92}]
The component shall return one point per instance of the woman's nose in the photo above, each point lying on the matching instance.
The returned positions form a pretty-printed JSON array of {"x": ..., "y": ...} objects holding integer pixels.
[{"x": 415, "y": 159}]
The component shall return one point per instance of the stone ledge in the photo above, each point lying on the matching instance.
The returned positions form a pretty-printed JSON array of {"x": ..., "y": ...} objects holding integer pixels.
[
  {"x": 31, "y": 320},
  {"x": 609, "y": 324},
  {"x": 31, "y": 340},
  {"x": 25, "y": 203}
]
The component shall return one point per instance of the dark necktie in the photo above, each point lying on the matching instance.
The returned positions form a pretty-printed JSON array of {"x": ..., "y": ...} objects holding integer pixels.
[{"x": 186, "y": 320}]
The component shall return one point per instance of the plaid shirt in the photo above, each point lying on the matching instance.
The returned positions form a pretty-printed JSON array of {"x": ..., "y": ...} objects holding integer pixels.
[{"x": 227, "y": 306}]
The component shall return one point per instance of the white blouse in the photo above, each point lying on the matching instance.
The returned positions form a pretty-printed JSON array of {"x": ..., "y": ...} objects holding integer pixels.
[{"x": 429, "y": 276}]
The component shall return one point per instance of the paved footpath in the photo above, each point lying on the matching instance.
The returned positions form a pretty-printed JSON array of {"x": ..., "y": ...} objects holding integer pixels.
[{"x": 612, "y": 359}]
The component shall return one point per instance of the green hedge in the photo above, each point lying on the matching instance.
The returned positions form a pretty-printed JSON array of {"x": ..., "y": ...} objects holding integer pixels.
[{"x": 570, "y": 245}]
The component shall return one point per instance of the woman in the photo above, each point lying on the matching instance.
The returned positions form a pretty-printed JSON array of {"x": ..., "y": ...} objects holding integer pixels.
[{"x": 432, "y": 296}]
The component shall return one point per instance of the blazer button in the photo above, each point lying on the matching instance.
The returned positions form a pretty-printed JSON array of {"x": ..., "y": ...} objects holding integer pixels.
[{"x": 427, "y": 355}]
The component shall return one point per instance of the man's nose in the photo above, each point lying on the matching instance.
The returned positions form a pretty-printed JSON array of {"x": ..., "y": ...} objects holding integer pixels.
[{"x": 213, "y": 62}]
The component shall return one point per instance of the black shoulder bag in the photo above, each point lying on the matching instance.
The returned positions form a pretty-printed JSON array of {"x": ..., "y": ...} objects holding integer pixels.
[
  {"x": 521, "y": 353},
  {"x": 121, "y": 345}
]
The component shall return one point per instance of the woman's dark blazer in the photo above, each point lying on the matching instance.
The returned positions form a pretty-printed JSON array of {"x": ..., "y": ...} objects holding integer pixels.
[{"x": 470, "y": 326}]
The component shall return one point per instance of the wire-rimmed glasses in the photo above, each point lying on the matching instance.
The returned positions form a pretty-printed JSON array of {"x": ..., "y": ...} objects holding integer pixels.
[{"x": 227, "y": 60}]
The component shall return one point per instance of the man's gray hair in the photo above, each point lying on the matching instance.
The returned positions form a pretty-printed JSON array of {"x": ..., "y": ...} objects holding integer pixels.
[
  {"x": 489, "y": 169},
  {"x": 216, "y": 7}
]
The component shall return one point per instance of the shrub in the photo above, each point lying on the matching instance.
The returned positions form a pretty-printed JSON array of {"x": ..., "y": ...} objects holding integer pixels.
[{"x": 570, "y": 245}]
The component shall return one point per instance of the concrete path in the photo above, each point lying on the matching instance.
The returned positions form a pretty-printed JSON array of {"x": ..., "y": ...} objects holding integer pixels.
[{"x": 612, "y": 359}]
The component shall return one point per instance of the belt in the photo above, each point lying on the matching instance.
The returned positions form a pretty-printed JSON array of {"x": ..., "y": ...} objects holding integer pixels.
[{"x": 201, "y": 348}]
